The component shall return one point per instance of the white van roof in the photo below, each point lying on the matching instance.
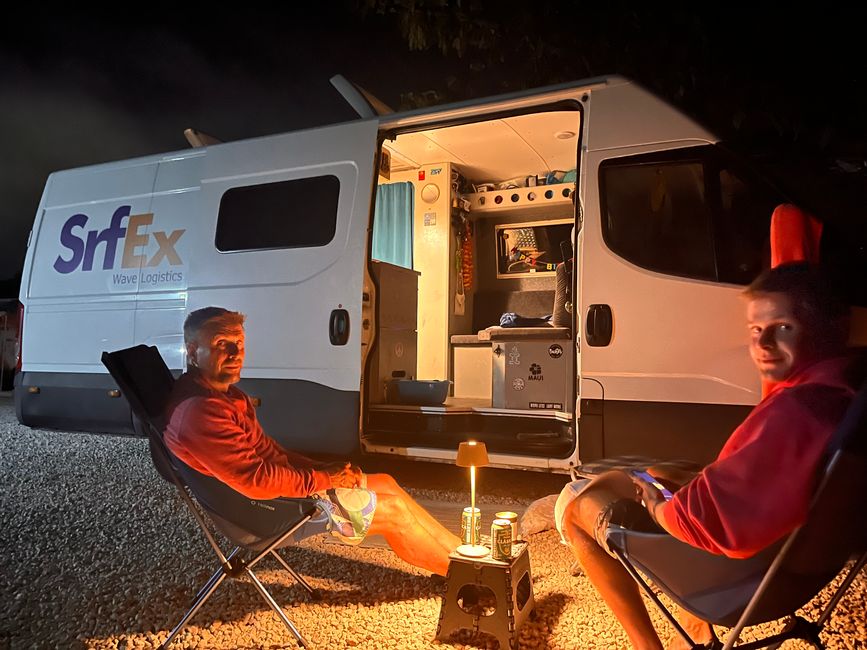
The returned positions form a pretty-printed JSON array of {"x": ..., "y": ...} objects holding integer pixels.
[
  {"x": 626, "y": 97},
  {"x": 511, "y": 101}
]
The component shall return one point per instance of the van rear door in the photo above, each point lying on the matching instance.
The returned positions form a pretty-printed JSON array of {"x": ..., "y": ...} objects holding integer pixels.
[
  {"x": 78, "y": 290},
  {"x": 286, "y": 245}
]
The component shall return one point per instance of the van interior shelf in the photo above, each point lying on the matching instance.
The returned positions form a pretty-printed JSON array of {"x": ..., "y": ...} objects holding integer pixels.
[{"x": 558, "y": 194}]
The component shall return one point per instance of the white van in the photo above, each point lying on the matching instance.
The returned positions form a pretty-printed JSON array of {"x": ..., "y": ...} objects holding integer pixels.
[{"x": 389, "y": 247}]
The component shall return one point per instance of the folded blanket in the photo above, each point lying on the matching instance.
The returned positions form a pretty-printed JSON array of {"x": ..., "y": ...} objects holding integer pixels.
[{"x": 511, "y": 319}]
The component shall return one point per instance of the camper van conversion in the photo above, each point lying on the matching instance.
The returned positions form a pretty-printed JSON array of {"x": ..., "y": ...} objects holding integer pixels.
[{"x": 398, "y": 273}]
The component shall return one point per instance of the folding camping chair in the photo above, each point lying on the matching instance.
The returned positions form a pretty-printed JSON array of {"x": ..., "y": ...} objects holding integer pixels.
[
  {"x": 779, "y": 580},
  {"x": 257, "y": 528}
]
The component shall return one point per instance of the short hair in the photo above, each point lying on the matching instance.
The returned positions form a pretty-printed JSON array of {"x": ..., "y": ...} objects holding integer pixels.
[
  {"x": 814, "y": 295},
  {"x": 214, "y": 318}
]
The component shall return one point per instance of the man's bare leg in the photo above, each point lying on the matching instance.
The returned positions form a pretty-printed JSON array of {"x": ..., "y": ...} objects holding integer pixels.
[
  {"x": 697, "y": 629},
  {"x": 407, "y": 537},
  {"x": 611, "y": 580},
  {"x": 385, "y": 484}
]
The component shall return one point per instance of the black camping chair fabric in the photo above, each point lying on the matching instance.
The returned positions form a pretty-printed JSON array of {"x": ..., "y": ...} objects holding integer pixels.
[
  {"x": 776, "y": 582},
  {"x": 257, "y": 528}
]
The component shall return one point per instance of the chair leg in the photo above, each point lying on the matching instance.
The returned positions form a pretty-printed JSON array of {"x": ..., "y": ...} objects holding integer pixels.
[
  {"x": 203, "y": 595},
  {"x": 795, "y": 628},
  {"x": 842, "y": 589},
  {"x": 314, "y": 593},
  {"x": 279, "y": 611},
  {"x": 806, "y": 630},
  {"x": 652, "y": 595}
]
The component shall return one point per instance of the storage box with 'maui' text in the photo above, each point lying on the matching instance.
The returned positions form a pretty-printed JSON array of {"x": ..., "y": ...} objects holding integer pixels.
[{"x": 532, "y": 374}]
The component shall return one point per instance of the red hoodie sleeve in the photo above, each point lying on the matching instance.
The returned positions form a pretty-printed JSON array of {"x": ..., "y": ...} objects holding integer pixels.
[
  {"x": 293, "y": 457},
  {"x": 760, "y": 489},
  {"x": 249, "y": 462}
]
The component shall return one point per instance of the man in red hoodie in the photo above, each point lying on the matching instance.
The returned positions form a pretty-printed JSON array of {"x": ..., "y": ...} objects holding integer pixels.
[
  {"x": 759, "y": 487},
  {"x": 213, "y": 429}
]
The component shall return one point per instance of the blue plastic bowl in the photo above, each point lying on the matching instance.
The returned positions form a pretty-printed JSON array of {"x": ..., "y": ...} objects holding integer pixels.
[{"x": 417, "y": 392}]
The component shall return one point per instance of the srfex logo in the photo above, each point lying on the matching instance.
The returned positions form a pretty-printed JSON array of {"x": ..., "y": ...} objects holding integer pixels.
[{"x": 83, "y": 250}]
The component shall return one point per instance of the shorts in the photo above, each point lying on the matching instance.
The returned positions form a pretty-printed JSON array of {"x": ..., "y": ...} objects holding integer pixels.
[
  {"x": 627, "y": 513},
  {"x": 346, "y": 513},
  {"x": 567, "y": 495}
]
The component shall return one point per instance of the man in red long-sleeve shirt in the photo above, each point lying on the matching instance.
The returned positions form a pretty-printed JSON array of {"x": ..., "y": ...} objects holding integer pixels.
[
  {"x": 213, "y": 429},
  {"x": 759, "y": 487}
]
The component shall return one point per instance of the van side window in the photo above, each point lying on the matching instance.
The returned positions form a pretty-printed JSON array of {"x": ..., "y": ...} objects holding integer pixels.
[
  {"x": 289, "y": 214},
  {"x": 692, "y": 212},
  {"x": 656, "y": 216},
  {"x": 743, "y": 225}
]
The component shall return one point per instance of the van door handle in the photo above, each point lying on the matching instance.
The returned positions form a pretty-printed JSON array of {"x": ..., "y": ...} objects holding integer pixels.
[
  {"x": 338, "y": 327},
  {"x": 600, "y": 325}
]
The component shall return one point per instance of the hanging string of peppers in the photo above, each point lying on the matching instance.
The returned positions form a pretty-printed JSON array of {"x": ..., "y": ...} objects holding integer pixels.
[{"x": 467, "y": 255}]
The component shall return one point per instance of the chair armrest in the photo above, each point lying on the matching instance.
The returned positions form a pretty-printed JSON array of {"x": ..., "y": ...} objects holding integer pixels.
[{"x": 303, "y": 504}]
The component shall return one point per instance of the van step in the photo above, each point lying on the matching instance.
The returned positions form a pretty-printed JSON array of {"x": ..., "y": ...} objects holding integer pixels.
[
  {"x": 541, "y": 448},
  {"x": 542, "y": 435}
]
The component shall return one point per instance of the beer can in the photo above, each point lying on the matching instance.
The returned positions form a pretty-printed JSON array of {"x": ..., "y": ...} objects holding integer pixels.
[
  {"x": 501, "y": 540},
  {"x": 512, "y": 518},
  {"x": 466, "y": 526}
]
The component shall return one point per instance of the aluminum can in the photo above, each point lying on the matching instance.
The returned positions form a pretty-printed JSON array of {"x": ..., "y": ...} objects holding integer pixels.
[
  {"x": 466, "y": 518},
  {"x": 512, "y": 518},
  {"x": 501, "y": 540}
]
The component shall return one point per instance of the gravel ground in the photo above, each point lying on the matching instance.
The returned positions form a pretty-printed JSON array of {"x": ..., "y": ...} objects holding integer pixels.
[{"x": 98, "y": 552}]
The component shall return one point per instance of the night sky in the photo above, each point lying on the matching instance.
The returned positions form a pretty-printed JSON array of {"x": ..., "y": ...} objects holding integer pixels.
[{"x": 82, "y": 90}]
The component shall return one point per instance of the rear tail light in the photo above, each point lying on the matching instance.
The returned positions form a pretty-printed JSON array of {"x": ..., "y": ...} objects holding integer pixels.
[{"x": 20, "y": 335}]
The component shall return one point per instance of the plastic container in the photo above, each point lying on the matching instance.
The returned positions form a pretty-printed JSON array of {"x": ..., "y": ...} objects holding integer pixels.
[{"x": 417, "y": 392}]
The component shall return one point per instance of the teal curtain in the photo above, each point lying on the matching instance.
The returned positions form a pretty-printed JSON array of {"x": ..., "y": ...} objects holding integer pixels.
[{"x": 392, "y": 224}]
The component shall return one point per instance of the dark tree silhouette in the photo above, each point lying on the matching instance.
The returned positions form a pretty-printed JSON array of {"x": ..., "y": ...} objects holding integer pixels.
[
  {"x": 752, "y": 74},
  {"x": 787, "y": 88}
]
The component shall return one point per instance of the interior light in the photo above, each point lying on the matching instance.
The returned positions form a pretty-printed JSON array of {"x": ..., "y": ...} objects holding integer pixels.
[{"x": 564, "y": 135}]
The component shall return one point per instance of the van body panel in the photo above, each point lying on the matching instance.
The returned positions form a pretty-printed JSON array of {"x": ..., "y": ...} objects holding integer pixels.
[
  {"x": 103, "y": 183},
  {"x": 676, "y": 377},
  {"x": 68, "y": 328},
  {"x": 306, "y": 416},
  {"x": 80, "y": 297},
  {"x": 159, "y": 321},
  {"x": 67, "y": 400},
  {"x": 694, "y": 432},
  {"x": 521, "y": 101},
  {"x": 72, "y": 262},
  {"x": 658, "y": 352},
  {"x": 161, "y": 295},
  {"x": 613, "y": 123},
  {"x": 288, "y": 294}
]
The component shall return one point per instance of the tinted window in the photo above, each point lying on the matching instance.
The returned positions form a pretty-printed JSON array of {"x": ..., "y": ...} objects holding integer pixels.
[
  {"x": 690, "y": 212},
  {"x": 289, "y": 214},
  {"x": 656, "y": 216},
  {"x": 743, "y": 224}
]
